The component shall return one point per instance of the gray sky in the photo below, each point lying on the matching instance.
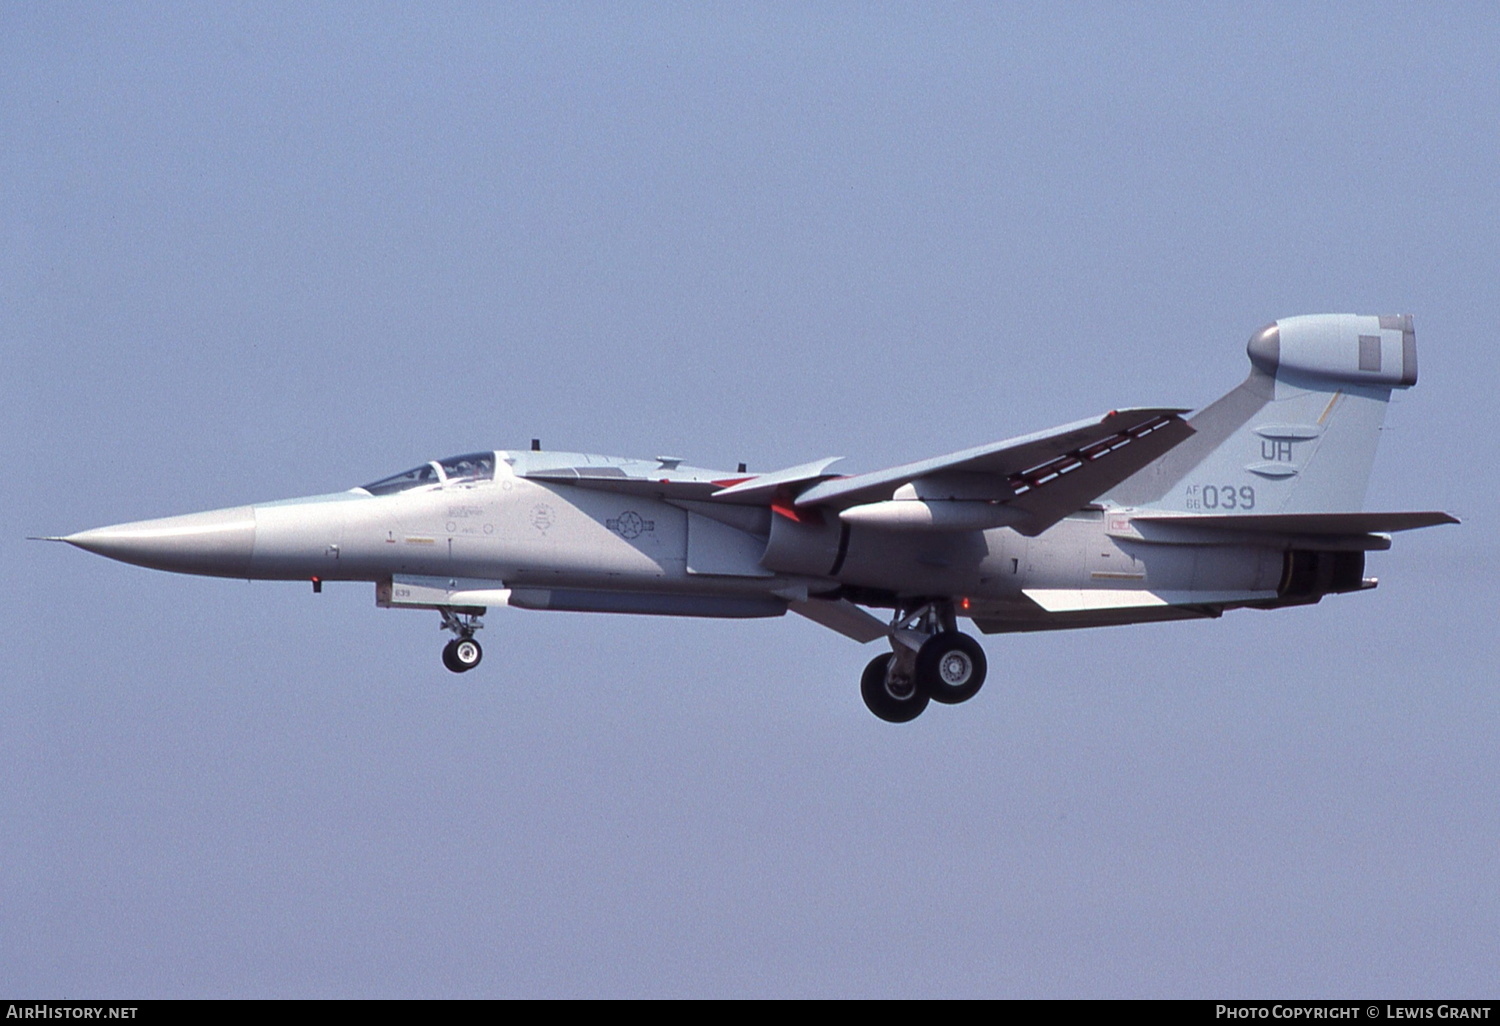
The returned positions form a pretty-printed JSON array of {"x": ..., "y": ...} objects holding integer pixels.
[{"x": 262, "y": 251}]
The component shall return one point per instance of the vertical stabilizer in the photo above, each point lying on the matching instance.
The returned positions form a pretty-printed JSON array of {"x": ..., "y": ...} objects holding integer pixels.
[{"x": 1299, "y": 434}]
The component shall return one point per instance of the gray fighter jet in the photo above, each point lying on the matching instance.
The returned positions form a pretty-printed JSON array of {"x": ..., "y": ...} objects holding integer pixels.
[{"x": 1139, "y": 515}]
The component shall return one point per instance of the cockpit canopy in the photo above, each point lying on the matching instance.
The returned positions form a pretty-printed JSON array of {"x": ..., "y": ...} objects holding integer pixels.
[{"x": 473, "y": 466}]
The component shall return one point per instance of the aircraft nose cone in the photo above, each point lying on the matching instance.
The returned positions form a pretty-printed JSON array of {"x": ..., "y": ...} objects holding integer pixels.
[{"x": 218, "y": 543}]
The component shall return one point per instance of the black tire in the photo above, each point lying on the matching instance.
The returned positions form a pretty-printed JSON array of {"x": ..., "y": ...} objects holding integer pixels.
[
  {"x": 466, "y": 654},
  {"x": 951, "y": 667},
  {"x": 875, "y": 687},
  {"x": 462, "y": 654}
]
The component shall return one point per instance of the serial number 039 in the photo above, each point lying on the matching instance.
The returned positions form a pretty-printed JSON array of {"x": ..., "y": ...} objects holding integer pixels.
[{"x": 1220, "y": 497}]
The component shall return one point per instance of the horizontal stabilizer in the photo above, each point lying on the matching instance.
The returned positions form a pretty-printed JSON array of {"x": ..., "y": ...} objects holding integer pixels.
[{"x": 1305, "y": 523}]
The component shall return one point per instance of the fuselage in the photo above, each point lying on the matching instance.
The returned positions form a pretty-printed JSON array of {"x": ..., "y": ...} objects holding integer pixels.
[{"x": 519, "y": 533}]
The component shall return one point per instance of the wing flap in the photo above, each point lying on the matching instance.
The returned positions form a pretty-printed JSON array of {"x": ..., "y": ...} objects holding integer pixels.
[
  {"x": 1073, "y": 479},
  {"x": 1045, "y": 476}
]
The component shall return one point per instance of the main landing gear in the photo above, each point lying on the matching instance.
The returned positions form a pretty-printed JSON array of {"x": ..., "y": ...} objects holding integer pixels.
[
  {"x": 931, "y": 661},
  {"x": 463, "y": 653}
]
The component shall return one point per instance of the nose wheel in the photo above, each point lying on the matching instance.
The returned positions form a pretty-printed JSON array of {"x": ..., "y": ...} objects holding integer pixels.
[{"x": 463, "y": 653}]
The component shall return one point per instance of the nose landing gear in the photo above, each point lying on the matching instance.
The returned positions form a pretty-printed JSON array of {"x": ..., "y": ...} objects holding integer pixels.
[
  {"x": 931, "y": 660},
  {"x": 463, "y": 653}
]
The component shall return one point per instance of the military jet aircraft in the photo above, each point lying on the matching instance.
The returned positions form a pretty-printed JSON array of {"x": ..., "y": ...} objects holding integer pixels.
[{"x": 1139, "y": 515}]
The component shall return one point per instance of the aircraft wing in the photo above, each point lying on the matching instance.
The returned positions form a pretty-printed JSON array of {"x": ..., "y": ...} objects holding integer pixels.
[
  {"x": 1042, "y": 477},
  {"x": 613, "y": 479},
  {"x": 683, "y": 483}
]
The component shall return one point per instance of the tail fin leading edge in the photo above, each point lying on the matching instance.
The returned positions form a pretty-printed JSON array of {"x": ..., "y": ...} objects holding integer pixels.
[{"x": 1299, "y": 434}]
